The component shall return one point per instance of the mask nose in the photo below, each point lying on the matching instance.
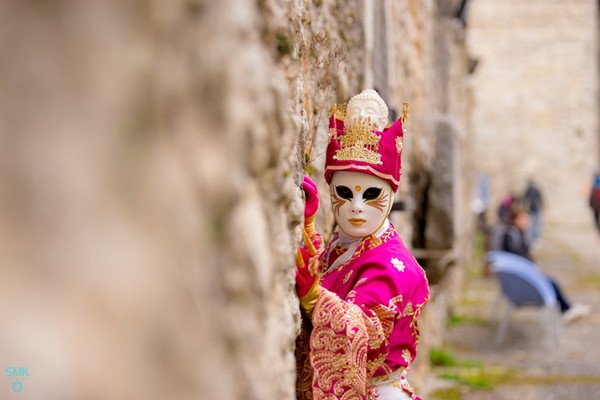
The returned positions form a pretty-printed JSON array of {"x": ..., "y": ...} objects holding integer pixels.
[{"x": 357, "y": 205}]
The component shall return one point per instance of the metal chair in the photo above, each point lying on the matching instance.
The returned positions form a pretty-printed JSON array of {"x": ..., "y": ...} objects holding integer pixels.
[{"x": 523, "y": 285}]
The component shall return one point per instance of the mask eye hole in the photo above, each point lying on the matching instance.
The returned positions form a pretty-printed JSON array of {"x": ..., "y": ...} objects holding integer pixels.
[
  {"x": 344, "y": 192},
  {"x": 372, "y": 193}
]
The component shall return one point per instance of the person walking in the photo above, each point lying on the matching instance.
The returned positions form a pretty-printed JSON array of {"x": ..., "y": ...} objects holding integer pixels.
[{"x": 534, "y": 203}]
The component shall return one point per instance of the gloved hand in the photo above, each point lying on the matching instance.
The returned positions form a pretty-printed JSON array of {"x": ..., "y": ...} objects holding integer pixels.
[
  {"x": 312, "y": 198},
  {"x": 311, "y": 207},
  {"x": 307, "y": 278}
]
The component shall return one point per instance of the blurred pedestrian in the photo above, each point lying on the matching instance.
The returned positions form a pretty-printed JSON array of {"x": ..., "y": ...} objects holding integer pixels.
[
  {"x": 533, "y": 202},
  {"x": 505, "y": 204},
  {"x": 512, "y": 237},
  {"x": 595, "y": 199},
  {"x": 481, "y": 203}
]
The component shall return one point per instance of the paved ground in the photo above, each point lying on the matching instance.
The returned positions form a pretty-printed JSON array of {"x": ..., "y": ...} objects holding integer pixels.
[{"x": 528, "y": 366}]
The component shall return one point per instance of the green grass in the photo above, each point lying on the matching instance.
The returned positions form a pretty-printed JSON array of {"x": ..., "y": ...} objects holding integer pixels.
[
  {"x": 455, "y": 320},
  {"x": 440, "y": 357},
  {"x": 591, "y": 279},
  {"x": 468, "y": 373},
  {"x": 452, "y": 393},
  {"x": 477, "y": 380}
]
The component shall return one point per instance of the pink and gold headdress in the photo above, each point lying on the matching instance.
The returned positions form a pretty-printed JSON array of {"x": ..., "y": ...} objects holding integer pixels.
[{"x": 361, "y": 148}]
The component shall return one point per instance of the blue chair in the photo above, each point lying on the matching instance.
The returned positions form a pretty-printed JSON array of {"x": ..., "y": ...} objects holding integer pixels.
[{"x": 523, "y": 285}]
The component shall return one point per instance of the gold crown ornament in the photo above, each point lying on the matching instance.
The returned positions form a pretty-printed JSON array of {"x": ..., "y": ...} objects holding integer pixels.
[{"x": 359, "y": 143}]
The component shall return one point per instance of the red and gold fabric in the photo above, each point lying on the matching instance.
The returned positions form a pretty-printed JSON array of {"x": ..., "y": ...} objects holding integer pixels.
[{"x": 363, "y": 327}]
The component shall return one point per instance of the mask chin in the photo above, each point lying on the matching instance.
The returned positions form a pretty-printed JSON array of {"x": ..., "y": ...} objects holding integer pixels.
[{"x": 361, "y": 202}]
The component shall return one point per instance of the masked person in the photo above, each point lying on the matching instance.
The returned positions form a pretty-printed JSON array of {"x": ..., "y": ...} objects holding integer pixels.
[{"x": 360, "y": 295}]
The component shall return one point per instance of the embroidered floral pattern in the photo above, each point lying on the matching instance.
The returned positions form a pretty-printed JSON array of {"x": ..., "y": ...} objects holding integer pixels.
[
  {"x": 399, "y": 265},
  {"x": 339, "y": 349},
  {"x": 399, "y": 144}
]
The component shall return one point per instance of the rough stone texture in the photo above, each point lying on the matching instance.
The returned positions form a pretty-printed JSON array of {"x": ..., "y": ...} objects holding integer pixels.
[
  {"x": 147, "y": 202},
  {"x": 536, "y": 100},
  {"x": 325, "y": 64},
  {"x": 149, "y": 156}
]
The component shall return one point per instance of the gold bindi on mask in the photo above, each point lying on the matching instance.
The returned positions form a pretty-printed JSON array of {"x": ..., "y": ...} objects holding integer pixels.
[{"x": 357, "y": 188}]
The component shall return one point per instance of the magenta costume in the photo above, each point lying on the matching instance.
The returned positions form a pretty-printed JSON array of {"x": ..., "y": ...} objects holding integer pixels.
[
  {"x": 364, "y": 324},
  {"x": 361, "y": 336}
]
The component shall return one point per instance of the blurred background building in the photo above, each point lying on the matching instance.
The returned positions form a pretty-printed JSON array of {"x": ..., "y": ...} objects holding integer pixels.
[
  {"x": 535, "y": 108},
  {"x": 150, "y": 154}
]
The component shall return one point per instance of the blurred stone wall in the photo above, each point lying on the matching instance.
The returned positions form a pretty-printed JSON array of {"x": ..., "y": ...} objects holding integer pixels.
[
  {"x": 149, "y": 157},
  {"x": 432, "y": 75},
  {"x": 150, "y": 154},
  {"x": 536, "y": 100}
]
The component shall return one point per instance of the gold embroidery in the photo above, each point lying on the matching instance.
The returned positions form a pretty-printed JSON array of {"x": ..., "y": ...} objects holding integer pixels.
[
  {"x": 374, "y": 242},
  {"x": 387, "y": 370},
  {"x": 359, "y": 143},
  {"x": 361, "y": 281},
  {"x": 338, "y": 111},
  {"x": 386, "y": 317},
  {"x": 332, "y": 135},
  {"x": 347, "y": 277},
  {"x": 394, "y": 301},
  {"x": 405, "y": 113},
  {"x": 407, "y": 356},
  {"x": 351, "y": 294},
  {"x": 399, "y": 144},
  {"x": 373, "y": 365},
  {"x": 338, "y": 343},
  {"x": 341, "y": 340},
  {"x": 408, "y": 309},
  {"x": 367, "y": 244},
  {"x": 375, "y": 334}
]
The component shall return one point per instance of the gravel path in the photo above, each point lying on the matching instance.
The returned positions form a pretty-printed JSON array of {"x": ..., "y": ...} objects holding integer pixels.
[{"x": 528, "y": 366}]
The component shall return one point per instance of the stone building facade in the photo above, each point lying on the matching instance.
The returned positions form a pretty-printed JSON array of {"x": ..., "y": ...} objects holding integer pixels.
[
  {"x": 536, "y": 99},
  {"x": 150, "y": 158}
]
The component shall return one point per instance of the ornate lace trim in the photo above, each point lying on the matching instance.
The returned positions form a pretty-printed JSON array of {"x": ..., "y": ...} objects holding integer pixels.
[{"x": 342, "y": 339}]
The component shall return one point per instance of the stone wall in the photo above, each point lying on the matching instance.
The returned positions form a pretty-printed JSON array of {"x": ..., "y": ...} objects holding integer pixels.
[
  {"x": 150, "y": 158},
  {"x": 536, "y": 102},
  {"x": 147, "y": 202}
]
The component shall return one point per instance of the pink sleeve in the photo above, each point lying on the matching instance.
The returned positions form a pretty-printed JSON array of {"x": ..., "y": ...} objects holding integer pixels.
[{"x": 351, "y": 336}]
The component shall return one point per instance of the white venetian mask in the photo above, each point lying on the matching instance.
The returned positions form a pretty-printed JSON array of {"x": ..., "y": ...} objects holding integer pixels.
[{"x": 360, "y": 202}]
